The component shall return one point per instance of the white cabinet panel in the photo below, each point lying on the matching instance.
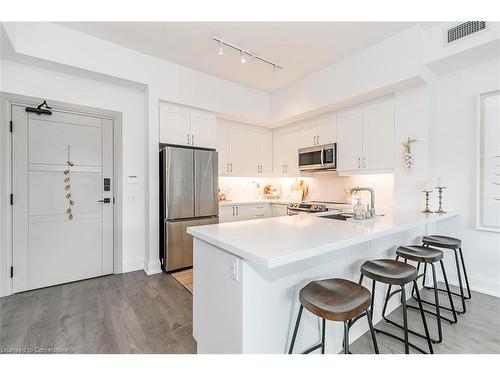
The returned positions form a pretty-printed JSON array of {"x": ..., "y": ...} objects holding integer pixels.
[
  {"x": 244, "y": 146},
  {"x": 378, "y": 135},
  {"x": 226, "y": 214},
  {"x": 223, "y": 147},
  {"x": 279, "y": 210},
  {"x": 260, "y": 211},
  {"x": 327, "y": 130},
  {"x": 265, "y": 159},
  {"x": 174, "y": 124},
  {"x": 308, "y": 134},
  {"x": 285, "y": 152},
  {"x": 203, "y": 129},
  {"x": 349, "y": 139}
]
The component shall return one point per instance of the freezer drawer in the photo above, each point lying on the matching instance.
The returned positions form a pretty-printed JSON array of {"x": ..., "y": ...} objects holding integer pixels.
[{"x": 178, "y": 252}]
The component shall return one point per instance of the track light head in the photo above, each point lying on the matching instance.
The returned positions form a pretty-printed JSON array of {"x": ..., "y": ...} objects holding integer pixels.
[
  {"x": 243, "y": 58},
  {"x": 221, "y": 48}
]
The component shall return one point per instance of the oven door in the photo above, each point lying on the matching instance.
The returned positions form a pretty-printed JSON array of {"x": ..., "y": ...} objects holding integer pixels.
[{"x": 318, "y": 158}]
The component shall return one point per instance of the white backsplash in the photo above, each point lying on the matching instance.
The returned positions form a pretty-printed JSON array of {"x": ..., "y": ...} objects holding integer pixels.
[{"x": 326, "y": 186}]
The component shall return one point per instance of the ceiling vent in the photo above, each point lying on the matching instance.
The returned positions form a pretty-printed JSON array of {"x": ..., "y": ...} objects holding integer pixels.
[{"x": 465, "y": 28}]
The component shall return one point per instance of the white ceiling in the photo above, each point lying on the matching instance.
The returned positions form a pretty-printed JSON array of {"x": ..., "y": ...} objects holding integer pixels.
[{"x": 301, "y": 47}]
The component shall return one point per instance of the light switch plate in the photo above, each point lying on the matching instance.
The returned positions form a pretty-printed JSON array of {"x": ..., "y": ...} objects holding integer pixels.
[
  {"x": 132, "y": 180},
  {"x": 235, "y": 273}
]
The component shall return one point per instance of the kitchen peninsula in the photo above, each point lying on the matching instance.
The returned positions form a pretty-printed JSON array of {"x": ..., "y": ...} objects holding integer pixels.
[{"x": 247, "y": 275}]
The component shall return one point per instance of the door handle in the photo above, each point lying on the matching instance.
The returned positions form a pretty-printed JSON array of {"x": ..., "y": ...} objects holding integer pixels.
[{"x": 105, "y": 200}]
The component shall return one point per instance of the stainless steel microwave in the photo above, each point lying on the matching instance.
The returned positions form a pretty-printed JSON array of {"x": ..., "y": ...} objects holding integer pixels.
[{"x": 318, "y": 158}]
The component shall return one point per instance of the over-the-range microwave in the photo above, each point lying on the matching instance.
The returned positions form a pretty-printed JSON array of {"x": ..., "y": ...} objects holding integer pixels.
[{"x": 318, "y": 158}]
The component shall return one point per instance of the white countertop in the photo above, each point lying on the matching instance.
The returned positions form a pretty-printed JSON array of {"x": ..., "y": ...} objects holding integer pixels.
[
  {"x": 249, "y": 202},
  {"x": 275, "y": 242}
]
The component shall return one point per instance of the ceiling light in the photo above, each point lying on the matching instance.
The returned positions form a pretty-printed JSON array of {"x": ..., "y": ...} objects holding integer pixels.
[{"x": 244, "y": 54}]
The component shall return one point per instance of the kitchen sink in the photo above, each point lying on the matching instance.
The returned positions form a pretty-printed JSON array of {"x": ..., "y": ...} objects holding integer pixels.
[{"x": 343, "y": 217}]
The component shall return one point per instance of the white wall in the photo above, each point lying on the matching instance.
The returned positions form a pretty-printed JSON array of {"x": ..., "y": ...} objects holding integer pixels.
[
  {"x": 32, "y": 81},
  {"x": 453, "y": 154}
]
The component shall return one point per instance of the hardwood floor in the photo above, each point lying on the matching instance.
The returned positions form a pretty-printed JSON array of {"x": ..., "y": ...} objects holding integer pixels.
[
  {"x": 135, "y": 313},
  {"x": 127, "y": 313},
  {"x": 477, "y": 331},
  {"x": 185, "y": 278}
]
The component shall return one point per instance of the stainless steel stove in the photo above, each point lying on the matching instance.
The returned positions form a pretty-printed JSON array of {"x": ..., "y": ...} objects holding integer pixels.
[{"x": 313, "y": 207}]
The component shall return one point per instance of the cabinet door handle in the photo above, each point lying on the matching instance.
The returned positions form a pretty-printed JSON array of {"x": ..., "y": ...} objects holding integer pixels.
[
  {"x": 364, "y": 162},
  {"x": 237, "y": 211},
  {"x": 188, "y": 138},
  {"x": 317, "y": 139},
  {"x": 286, "y": 168},
  {"x": 231, "y": 167},
  {"x": 359, "y": 163},
  {"x": 192, "y": 139}
]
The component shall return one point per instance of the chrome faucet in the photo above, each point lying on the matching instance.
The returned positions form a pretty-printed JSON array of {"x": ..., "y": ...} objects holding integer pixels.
[{"x": 372, "y": 197}]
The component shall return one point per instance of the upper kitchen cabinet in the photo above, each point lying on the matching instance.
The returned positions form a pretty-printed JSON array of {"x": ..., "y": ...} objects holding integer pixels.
[
  {"x": 365, "y": 138},
  {"x": 349, "y": 139},
  {"x": 318, "y": 131},
  {"x": 180, "y": 125},
  {"x": 286, "y": 143},
  {"x": 244, "y": 150}
]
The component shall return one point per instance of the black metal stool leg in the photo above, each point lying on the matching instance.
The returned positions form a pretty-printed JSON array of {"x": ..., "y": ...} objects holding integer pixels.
[
  {"x": 422, "y": 314},
  {"x": 465, "y": 273},
  {"x": 372, "y": 331},
  {"x": 405, "y": 320},
  {"x": 296, "y": 329},
  {"x": 346, "y": 338},
  {"x": 460, "y": 283},
  {"x": 436, "y": 299},
  {"x": 452, "y": 305},
  {"x": 323, "y": 337}
]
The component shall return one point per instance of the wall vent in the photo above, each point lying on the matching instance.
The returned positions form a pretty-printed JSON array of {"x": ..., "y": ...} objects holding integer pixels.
[{"x": 464, "y": 29}]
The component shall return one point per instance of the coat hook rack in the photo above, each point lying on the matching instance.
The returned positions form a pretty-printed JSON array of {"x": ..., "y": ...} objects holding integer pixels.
[{"x": 39, "y": 110}]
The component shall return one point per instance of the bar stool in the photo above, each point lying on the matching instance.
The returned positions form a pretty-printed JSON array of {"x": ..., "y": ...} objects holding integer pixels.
[
  {"x": 336, "y": 300},
  {"x": 393, "y": 272},
  {"x": 428, "y": 255},
  {"x": 454, "y": 244}
]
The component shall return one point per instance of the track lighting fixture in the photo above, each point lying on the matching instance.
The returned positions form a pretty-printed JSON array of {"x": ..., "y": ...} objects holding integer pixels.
[{"x": 244, "y": 54}]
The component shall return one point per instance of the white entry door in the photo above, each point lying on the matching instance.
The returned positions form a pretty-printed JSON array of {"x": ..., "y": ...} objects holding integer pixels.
[{"x": 62, "y": 229}]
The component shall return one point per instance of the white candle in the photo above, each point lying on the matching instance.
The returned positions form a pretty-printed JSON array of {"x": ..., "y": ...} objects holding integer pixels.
[
  {"x": 427, "y": 185},
  {"x": 440, "y": 182}
]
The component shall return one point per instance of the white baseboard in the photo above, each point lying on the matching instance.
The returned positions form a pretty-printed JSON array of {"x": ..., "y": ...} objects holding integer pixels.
[
  {"x": 130, "y": 265},
  {"x": 153, "y": 267}
]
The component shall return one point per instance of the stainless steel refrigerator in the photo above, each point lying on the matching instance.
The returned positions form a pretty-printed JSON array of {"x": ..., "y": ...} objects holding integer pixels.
[{"x": 188, "y": 197}]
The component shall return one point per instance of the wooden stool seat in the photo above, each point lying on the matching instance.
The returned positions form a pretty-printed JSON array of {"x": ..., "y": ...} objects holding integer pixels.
[
  {"x": 442, "y": 241},
  {"x": 421, "y": 254},
  {"x": 389, "y": 271},
  {"x": 335, "y": 299}
]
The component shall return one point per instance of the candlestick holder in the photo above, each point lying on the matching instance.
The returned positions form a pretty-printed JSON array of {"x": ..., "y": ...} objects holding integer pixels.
[
  {"x": 427, "y": 194},
  {"x": 440, "y": 199}
]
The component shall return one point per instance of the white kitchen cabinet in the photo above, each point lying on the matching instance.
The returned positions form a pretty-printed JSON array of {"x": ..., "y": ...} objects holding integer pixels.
[
  {"x": 318, "y": 131},
  {"x": 239, "y": 212},
  {"x": 265, "y": 152},
  {"x": 365, "y": 138},
  {"x": 279, "y": 210},
  {"x": 285, "y": 151},
  {"x": 185, "y": 126},
  {"x": 244, "y": 150},
  {"x": 175, "y": 123},
  {"x": 203, "y": 129},
  {"x": 378, "y": 135}
]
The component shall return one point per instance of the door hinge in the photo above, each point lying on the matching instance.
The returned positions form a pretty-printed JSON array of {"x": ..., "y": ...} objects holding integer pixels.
[
  {"x": 12, "y": 199},
  {"x": 11, "y": 272},
  {"x": 11, "y": 125}
]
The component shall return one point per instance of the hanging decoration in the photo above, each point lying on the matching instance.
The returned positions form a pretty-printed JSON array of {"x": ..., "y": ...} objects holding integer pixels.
[
  {"x": 407, "y": 157},
  {"x": 67, "y": 188}
]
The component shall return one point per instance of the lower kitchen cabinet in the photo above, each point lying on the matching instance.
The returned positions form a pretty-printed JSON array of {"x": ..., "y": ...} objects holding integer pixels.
[
  {"x": 244, "y": 212},
  {"x": 278, "y": 209}
]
